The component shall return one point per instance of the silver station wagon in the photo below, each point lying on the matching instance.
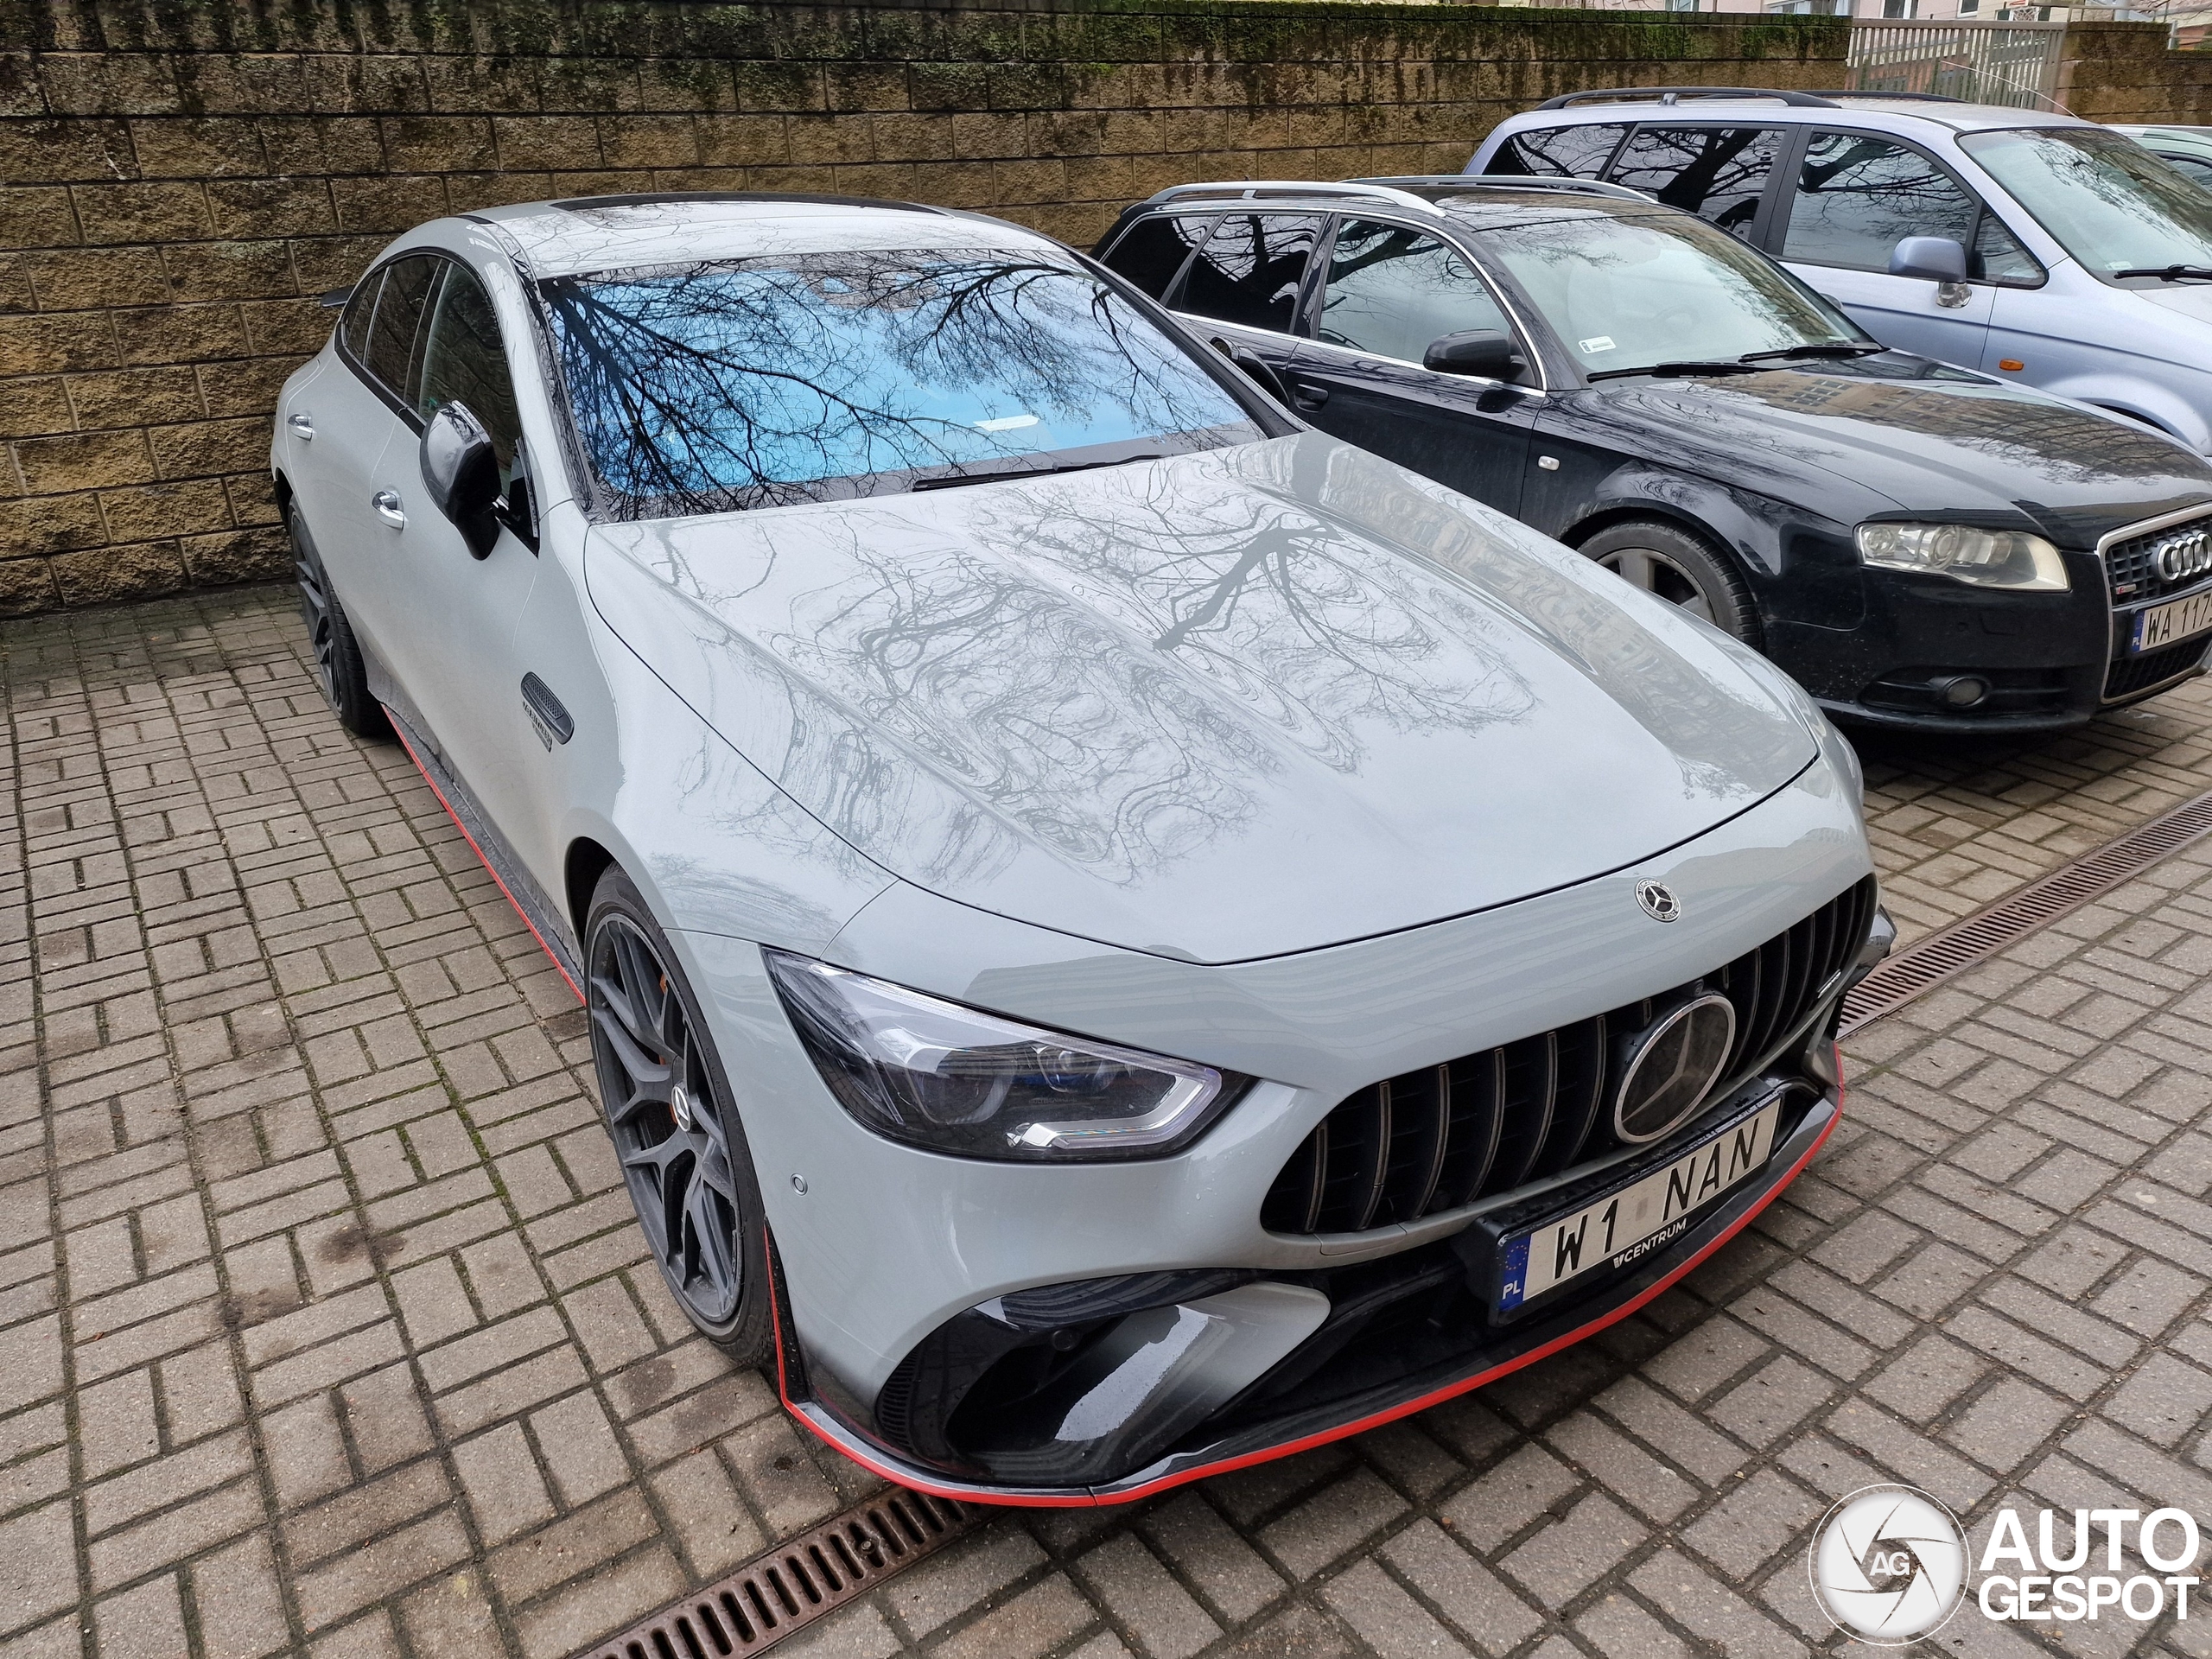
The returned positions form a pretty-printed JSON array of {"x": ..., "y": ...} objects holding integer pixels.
[{"x": 1123, "y": 936}]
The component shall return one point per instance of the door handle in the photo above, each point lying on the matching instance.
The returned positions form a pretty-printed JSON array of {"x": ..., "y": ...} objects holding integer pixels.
[
  {"x": 1306, "y": 395},
  {"x": 303, "y": 426},
  {"x": 386, "y": 502}
]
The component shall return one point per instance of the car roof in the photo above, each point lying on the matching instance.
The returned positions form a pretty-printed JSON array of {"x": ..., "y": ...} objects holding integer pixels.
[
  {"x": 580, "y": 234},
  {"x": 1847, "y": 109}
]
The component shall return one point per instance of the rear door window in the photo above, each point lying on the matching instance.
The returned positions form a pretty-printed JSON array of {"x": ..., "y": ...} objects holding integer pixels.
[
  {"x": 1249, "y": 271},
  {"x": 1856, "y": 196},
  {"x": 1559, "y": 152},
  {"x": 394, "y": 330},
  {"x": 1155, "y": 251},
  {"x": 1717, "y": 173},
  {"x": 1394, "y": 291}
]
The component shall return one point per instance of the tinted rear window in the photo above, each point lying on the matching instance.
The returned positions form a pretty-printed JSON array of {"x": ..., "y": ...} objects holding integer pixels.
[
  {"x": 399, "y": 319},
  {"x": 1250, "y": 269},
  {"x": 1717, "y": 173},
  {"x": 1558, "y": 152},
  {"x": 1152, "y": 252}
]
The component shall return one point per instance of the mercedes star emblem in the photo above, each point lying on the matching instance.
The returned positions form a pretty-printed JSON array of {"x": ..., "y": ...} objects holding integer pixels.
[{"x": 1658, "y": 900}]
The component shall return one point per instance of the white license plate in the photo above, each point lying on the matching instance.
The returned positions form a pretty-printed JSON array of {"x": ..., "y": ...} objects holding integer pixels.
[
  {"x": 1628, "y": 1224},
  {"x": 2162, "y": 624}
]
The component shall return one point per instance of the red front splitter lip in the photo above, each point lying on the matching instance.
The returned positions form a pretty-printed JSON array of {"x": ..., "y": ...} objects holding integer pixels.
[{"x": 833, "y": 1432}]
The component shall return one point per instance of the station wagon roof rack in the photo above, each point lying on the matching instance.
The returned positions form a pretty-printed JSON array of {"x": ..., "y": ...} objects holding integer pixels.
[
  {"x": 1513, "y": 181},
  {"x": 1675, "y": 94},
  {"x": 1889, "y": 98},
  {"x": 656, "y": 198},
  {"x": 1253, "y": 191}
]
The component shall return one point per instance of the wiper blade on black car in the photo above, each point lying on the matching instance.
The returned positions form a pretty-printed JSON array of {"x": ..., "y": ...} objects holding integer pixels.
[
  {"x": 1826, "y": 348},
  {"x": 1730, "y": 367},
  {"x": 2169, "y": 273},
  {"x": 1005, "y": 475}
]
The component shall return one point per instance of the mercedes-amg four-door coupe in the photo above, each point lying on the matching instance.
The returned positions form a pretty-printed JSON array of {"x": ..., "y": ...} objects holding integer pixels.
[{"x": 1122, "y": 935}]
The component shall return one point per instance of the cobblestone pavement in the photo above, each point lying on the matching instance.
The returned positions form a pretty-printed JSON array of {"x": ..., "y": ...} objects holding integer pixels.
[{"x": 326, "y": 1326}]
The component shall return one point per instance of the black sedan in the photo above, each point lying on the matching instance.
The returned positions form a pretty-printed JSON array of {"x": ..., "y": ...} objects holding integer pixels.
[{"x": 1919, "y": 544}]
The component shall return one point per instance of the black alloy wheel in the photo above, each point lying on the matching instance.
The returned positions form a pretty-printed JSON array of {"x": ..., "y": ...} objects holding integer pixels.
[
  {"x": 675, "y": 1133},
  {"x": 338, "y": 668},
  {"x": 1672, "y": 564}
]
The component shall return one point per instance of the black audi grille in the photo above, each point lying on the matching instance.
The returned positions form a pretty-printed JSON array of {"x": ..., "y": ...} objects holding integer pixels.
[
  {"x": 2129, "y": 674},
  {"x": 1485, "y": 1123},
  {"x": 2133, "y": 577}
]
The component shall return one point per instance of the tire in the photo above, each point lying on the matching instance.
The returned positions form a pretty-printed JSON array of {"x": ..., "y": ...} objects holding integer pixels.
[
  {"x": 337, "y": 654},
  {"x": 670, "y": 1114},
  {"x": 1672, "y": 564}
]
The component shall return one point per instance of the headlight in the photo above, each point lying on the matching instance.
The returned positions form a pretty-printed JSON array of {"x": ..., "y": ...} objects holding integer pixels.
[
  {"x": 916, "y": 1069},
  {"x": 1987, "y": 558}
]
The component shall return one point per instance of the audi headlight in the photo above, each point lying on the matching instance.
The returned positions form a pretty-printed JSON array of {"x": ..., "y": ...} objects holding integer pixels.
[
  {"x": 1987, "y": 558},
  {"x": 934, "y": 1074}
]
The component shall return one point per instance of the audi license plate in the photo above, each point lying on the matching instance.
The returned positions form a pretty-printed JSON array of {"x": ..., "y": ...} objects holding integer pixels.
[
  {"x": 2163, "y": 625},
  {"x": 1629, "y": 1222}
]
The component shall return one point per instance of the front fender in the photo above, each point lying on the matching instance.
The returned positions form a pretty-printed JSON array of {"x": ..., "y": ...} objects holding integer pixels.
[{"x": 2109, "y": 393}]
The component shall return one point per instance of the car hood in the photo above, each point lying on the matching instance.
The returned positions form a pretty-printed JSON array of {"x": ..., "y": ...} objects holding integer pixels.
[
  {"x": 1218, "y": 707},
  {"x": 1928, "y": 438}
]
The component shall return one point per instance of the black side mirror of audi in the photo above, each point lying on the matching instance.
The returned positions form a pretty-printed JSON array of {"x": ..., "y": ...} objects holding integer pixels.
[
  {"x": 1486, "y": 354},
  {"x": 462, "y": 471},
  {"x": 1255, "y": 369},
  {"x": 1931, "y": 258}
]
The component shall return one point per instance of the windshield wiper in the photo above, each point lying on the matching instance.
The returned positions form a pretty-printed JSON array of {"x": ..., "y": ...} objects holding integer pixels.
[
  {"x": 1826, "y": 348},
  {"x": 2169, "y": 273},
  {"x": 1729, "y": 367},
  {"x": 952, "y": 481}
]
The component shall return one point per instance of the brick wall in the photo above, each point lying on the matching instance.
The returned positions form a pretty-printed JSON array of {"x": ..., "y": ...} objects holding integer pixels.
[
  {"x": 2123, "y": 72},
  {"x": 177, "y": 180}
]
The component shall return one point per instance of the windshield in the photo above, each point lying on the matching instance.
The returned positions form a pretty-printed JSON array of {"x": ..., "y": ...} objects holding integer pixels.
[
  {"x": 1630, "y": 293},
  {"x": 765, "y": 382},
  {"x": 2110, "y": 202}
]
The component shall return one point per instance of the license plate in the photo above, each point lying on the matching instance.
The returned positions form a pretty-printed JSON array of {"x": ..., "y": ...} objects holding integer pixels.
[
  {"x": 1629, "y": 1222},
  {"x": 2162, "y": 624}
]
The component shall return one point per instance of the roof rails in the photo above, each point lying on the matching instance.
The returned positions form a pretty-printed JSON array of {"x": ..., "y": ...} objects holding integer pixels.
[
  {"x": 652, "y": 198},
  {"x": 1890, "y": 98},
  {"x": 1516, "y": 181},
  {"x": 1253, "y": 191},
  {"x": 1675, "y": 94}
]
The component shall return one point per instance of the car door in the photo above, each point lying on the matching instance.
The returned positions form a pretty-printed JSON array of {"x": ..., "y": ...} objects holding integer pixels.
[
  {"x": 1388, "y": 291},
  {"x": 1852, "y": 198},
  {"x": 1242, "y": 285},
  {"x": 461, "y": 671},
  {"x": 337, "y": 429}
]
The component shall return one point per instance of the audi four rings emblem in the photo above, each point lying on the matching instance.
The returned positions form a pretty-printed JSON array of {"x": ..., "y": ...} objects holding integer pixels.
[
  {"x": 1658, "y": 901},
  {"x": 2181, "y": 555}
]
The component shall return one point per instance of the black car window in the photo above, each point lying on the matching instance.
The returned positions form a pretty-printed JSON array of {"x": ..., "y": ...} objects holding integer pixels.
[
  {"x": 1250, "y": 269},
  {"x": 360, "y": 308},
  {"x": 400, "y": 305},
  {"x": 1558, "y": 152},
  {"x": 1394, "y": 291},
  {"x": 1717, "y": 173},
  {"x": 1858, "y": 196},
  {"x": 1154, "y": 252},
  {"x": 463, "y": 362}
]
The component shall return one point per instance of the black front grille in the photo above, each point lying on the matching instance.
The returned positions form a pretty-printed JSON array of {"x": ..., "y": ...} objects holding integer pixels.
[
  {"x": 2133, "y": 575},
  {"x": 1444, "y": 1136},
  {"x": 2129, "y": 674}
]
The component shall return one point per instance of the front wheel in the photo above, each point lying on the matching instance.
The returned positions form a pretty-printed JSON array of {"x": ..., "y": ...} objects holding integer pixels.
[
  {"x": 675, "y": 1126},
  {"x": 1674, "y": 565}
]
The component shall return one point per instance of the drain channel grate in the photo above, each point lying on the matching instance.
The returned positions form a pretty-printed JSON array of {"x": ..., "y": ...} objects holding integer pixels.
[
  {"x": 1921, "y": 967},
  {"x": 798, "y": 1581}
]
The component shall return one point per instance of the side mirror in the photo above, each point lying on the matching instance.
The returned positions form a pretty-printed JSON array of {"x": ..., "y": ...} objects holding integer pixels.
[
  {"x": 1931, "y": 258},
  {"x": 1255, "y": 369},
  {"x": 460, "y": 469},
  {"x": 1484, "y": 353}
]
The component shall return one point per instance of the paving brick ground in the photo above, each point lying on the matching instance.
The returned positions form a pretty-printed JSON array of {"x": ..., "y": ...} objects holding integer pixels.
[{"x": 324, "y": 1326}]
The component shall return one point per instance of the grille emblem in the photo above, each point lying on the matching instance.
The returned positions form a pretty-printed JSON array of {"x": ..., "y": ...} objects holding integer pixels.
[
  {"x": 1658, "y": 900},
  {"x": 1672, "y": 1066},
  {"x": 2185, "y": 554}
]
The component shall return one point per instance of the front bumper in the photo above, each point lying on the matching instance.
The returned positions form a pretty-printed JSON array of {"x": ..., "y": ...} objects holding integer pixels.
[{"x": 1422, "y": 1335}]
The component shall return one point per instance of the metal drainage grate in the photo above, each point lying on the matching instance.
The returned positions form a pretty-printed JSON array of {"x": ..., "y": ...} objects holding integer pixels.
[
  {"x": 1921, "y": 967},
  {"x": 797, "y": 1582}
]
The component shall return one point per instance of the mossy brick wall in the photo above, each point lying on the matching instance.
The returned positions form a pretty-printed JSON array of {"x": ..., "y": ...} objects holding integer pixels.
[
  {"x": 177, "y": 180},
  {"x": 2123, "y": 72}
]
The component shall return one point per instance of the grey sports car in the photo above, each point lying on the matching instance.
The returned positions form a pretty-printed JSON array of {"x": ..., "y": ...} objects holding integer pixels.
[{"x": 1123, "y": 936}]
